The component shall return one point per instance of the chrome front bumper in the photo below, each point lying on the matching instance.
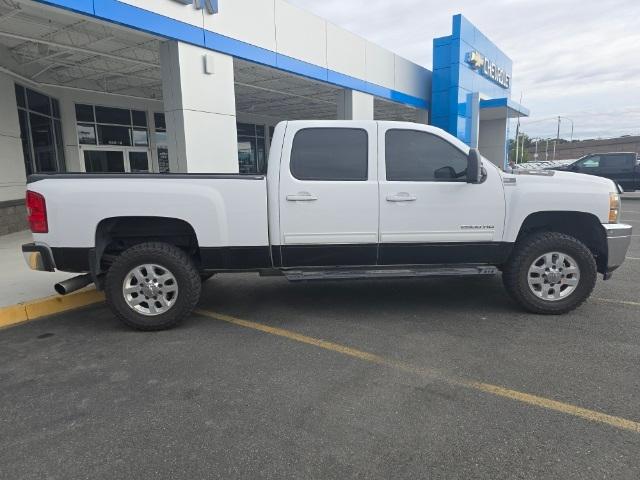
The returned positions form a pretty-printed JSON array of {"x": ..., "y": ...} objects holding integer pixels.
[
  {"x": 618, "y": 240},
  {"x": 38, "y": 257}
]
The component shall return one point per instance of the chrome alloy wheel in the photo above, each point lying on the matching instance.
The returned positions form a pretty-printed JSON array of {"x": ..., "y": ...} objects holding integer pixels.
[
  {"x": 150, "y": 289},
  {"x": 553, "y": 276}
]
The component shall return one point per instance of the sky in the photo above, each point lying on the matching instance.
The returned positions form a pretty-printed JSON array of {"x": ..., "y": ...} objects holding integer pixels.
[{"x": 579, "y": 59}]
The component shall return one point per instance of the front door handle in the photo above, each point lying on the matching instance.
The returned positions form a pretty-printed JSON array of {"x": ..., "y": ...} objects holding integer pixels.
[
  {"x": 401, "y": 197},
  {"x": 301, "y": 197}
]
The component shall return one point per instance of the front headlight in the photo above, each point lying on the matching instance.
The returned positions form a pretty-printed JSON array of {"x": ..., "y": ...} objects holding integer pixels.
[{"x": 614, "y": 207}]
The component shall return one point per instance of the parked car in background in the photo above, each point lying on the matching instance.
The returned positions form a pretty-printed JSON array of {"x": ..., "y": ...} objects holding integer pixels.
[{"x": 621, "y": 167}]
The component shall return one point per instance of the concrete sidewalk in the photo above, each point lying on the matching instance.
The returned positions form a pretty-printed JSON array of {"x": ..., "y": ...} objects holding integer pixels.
[{"x": 17, "y": 282}]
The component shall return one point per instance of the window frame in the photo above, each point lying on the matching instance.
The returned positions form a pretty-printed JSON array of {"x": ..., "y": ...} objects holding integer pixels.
[
  {"x": 367, "y": 152},
  {"x": 53, "y": 116},
  {"x": 435, "y": 180},
  {"x": 580, "y": 163},
  {"x": 96, "y": 124}
]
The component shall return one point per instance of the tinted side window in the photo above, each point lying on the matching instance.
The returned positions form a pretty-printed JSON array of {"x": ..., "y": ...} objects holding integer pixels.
[
  {"x": 330, "y": 154},
  {"x": 422, "y": 157},
  {"x": 620, "y": 163},
  {"x": 591, "y": 162}
]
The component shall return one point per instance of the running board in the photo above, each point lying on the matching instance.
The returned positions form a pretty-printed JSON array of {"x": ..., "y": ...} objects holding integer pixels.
[{"x": 407, "y": 272}]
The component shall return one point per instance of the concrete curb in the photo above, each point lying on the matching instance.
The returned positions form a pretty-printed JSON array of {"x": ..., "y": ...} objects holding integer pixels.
[{"x": 42, "y": 307}]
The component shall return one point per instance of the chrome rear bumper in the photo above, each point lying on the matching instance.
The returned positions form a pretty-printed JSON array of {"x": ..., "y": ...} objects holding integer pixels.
[{"x": 618, "y": 240}]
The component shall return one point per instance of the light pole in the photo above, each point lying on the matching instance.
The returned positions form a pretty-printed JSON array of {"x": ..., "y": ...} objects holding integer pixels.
[{"x": 567, "y": 118}]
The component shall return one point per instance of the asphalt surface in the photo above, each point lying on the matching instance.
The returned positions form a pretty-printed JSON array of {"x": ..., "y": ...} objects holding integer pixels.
[{"x": 83, "y": 397}]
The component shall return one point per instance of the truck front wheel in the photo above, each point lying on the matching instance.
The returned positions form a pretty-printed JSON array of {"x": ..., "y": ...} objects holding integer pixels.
[
  {"x": 550, "y": 273},
  {"x": 152, "y": 286}
]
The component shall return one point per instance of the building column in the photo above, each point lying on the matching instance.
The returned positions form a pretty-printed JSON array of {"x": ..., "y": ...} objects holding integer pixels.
[
  {"x": 200, "y": 109},
  {"x": 422, "y": 116},
  {"x": 354, "y": 105},
  {"x": 473, "y": 105}
]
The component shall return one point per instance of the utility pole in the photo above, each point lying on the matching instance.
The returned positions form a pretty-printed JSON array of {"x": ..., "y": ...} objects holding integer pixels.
[
  {"x": 517, "y": 140},
  {"x": 557, "y": 139},
  {"x": 518, "y": 130},
  {"x": 522, "y": 156},
  {"x": 546, "y": 151}
]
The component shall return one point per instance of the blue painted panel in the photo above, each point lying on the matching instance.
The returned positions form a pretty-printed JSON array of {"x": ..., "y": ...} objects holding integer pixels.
[
  {"x": 147, "y": 21},
  {"x": 347, "y": 81},
  {"x": 453, "y": 87},
  {"x": 441, "y": 55},
  {"x": 246, "y": 51},
  {"x": 440, "y": 122},
  {"x": 84, "y": 6},
  {"x": 441, "y": 79},
  {"x": 409, "y": 100},
  {"x": 154, "y": 23},
  {"x": 299, "y": 67},
  {"x": 440, "y": 103}
]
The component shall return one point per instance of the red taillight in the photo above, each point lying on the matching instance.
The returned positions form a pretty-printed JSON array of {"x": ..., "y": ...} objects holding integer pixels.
[{"x": 37, "y": 215}]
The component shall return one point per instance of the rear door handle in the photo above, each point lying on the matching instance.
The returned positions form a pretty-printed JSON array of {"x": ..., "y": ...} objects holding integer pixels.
[
  {"x": 401, "y": 197},
  {"x": 301, "y": 197}
]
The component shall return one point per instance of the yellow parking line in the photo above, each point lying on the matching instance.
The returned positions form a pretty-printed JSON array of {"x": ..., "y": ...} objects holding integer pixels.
[
  {"x": 23, "y": 312},
  {"x": 526, "y": 398},
  {"x": 620, "y": 302}
]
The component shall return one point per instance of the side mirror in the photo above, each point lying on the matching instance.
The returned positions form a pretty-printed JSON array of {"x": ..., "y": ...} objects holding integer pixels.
[{"x": 474, "y": 167}]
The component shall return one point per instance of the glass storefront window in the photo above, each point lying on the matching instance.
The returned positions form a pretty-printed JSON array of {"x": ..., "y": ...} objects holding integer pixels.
[
  {"x": 114, "y": 116},
  {"x": 44, "y": 145},
  {"x": 24, "y": 137},
  {"x": 114, "y": 135},
  {"x": 110, "y": 126},
  {"x": 86, "y": 134},
  {"x": 84, "y": 113},
  {"x": 139, "y": 119},
  {"x": 251, "y": 148},
  {"x": 140, "y": 137},
  {"x": 37, "y": 102},
  {"x": 162, "y": 149},
  {"x": 40, "y": 131},
  {"x": 139, "y": 161},
  {"x": 103, "y": 161}
]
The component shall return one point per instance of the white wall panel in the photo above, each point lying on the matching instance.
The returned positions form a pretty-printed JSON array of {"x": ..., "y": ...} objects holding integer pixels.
[
  {"x": 12, "y": 173},
  {"x": 346, "y": 52},
  {"x": 176, "y": 10},
  {"x": 251, "y": 21},
  {"x": 411, "y": 78},
  {"x": 300, "y": 34},
  {"x": 380, "y": 68}
]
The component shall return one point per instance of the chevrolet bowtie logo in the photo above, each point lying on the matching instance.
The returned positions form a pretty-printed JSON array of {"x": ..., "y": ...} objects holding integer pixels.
[
  {"x": 475, "y": 59},
  {"x": 488, "y": 68},
  {"x": 210, "y": 5}
]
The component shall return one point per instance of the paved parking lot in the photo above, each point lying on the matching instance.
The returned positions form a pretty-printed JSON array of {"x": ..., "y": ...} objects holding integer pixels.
[{"x": 382, "y": 379}]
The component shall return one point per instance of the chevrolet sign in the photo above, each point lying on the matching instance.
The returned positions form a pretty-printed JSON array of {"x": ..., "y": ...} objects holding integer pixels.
[
  {"x": 489, "y": 69},
  {"x": 211, "y": 6}
]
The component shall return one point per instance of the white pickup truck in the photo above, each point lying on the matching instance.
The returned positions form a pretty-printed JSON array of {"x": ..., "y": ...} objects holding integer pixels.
[{"x": 341, "y": 200}]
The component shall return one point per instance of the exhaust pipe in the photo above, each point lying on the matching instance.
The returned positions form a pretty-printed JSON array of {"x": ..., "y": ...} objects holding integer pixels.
[{"x": 73, "y": 284}]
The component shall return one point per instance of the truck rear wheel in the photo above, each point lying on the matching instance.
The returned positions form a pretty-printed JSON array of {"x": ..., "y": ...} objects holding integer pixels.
[
  {"x": 550, "y": 273},
  {"x": 152, "y": 286}
]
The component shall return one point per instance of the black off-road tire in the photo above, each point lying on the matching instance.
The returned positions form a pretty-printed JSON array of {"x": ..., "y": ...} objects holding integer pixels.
[
  {"x": 174, "y": 260},
  {"x": 526, "y": 251}
]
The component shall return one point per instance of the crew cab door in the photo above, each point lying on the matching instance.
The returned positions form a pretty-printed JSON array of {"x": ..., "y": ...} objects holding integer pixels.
[
  {"x": 429, "y": 214},
  {"x": 329, "y": 194}
]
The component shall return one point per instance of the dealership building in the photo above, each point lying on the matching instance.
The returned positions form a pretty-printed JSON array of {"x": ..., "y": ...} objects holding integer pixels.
[{"x": 198, "y": 86}]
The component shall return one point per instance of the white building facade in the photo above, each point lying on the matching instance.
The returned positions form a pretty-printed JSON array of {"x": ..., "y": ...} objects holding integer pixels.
[{"x": 185, "y": 86}]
